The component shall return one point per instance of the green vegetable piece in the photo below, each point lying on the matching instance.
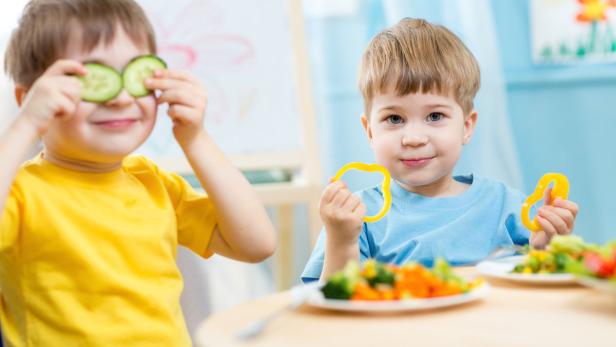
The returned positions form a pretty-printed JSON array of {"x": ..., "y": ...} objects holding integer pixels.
[
  {"x": 562, "y": 260},
  {"x": 341, "y": 284},
  {"x": 577, "y": 267},
  {"x": 443, "y": 270},
  {"x": 519, "y": 268},
  {"x": 570, "y": 244},
  {"x": 383, "y": 276},
  {"x": 101, "y": 83},
  {"x": 138, "y": 70},
  {"x": 337, "y": 287}
]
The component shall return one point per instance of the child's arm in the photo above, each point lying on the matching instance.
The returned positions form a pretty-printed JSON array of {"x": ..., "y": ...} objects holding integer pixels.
[
  {"x": 54, "y": 95},
  {"x": 555, "y": 218},
  {"x": 244, "y": 230},
  {"x": 342, "y": 214}
]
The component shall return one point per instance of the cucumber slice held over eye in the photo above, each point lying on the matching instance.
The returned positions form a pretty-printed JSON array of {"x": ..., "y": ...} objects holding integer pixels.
[
  {"x": 101, "y": 84},
  {"x": 138, "y": 70}
]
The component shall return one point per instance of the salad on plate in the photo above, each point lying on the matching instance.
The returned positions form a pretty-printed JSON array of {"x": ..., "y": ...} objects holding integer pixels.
[{"x": 377, "y": 286}]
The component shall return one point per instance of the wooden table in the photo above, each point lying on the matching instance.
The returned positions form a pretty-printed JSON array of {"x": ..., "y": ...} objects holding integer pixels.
[{"x": 511, "y": 315}]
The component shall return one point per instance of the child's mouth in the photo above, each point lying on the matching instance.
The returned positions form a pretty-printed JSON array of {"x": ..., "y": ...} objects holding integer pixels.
[
  {"x": 116, "y": 123},
  {"x": 416, "y": 162}
]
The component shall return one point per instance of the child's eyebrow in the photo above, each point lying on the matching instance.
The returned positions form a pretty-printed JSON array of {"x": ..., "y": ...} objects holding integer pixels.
[
  {"x": 391, "y": 108},
  {"x": 438, "y": 106}
]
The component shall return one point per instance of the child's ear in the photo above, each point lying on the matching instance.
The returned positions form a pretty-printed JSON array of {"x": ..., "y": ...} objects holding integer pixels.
[
  {"x": 366, "y": 125},
  {"x": 20, "y": 93},
  {"x": 469, "y": 126}
]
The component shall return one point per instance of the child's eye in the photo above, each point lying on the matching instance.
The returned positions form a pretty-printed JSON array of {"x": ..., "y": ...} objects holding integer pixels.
[
  {"x": 394, "y": 119},
  {"x": 434, "y": 117}
]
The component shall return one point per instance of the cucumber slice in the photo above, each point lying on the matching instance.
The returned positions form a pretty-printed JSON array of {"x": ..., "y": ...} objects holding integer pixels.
[
  {"x": 101, "y": 84},
  {"x": 138, "y": 70}
]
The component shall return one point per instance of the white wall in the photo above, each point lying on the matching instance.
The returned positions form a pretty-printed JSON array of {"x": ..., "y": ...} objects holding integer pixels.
[{"x": 9, "y": 13}]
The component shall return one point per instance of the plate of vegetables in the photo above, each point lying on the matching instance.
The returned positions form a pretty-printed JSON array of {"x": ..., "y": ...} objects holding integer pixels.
[
  {"x": 380, "y": 287},
  {"x": 549, "y": 266},
  {"x": 596, "y": 267}
]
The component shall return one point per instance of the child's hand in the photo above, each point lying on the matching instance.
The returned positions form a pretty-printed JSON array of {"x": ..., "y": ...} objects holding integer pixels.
[
  {"x": 341, "y": 212},
  {"x": 55, "y": 94},
  {"x": 555, "y": 218},
  {"x": 187, "y": 100}
]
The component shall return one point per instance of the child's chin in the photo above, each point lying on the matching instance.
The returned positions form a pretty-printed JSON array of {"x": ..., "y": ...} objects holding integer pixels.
[
  {"x": 412, "y": 184},
  {"x": 117, "y": 152}
]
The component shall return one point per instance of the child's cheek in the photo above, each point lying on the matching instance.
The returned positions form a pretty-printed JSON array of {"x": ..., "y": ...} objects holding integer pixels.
[
  {"x": 147, "y": 105},
  {"x": 84, "y": 110}
]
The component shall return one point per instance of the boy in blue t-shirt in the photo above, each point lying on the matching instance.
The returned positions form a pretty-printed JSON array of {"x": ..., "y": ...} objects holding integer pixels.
[{"x": 418, "y": 82}]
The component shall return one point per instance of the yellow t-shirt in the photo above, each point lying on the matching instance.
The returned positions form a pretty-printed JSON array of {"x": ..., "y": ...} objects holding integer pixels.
[{"x": 88, "y": 259}]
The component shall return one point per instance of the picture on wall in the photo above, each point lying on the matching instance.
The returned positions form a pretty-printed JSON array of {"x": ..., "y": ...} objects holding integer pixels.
[{"x": 573, "y": 31}]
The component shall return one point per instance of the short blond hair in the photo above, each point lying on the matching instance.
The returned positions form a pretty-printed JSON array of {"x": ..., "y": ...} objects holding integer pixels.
[
  {"x": 43, "y": 32},
  {"x": 416, "y": 56}
]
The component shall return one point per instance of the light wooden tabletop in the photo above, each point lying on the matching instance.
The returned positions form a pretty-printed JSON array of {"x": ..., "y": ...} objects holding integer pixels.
[{"x": 510, "y": 315}]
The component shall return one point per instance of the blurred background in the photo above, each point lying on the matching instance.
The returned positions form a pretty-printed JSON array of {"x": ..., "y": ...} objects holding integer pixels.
[{"x": 547, "y": 104}]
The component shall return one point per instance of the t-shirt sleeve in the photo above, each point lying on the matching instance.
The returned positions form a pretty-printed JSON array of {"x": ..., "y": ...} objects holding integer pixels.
[
  {"x": 11, "y": 218},
  {"x": 517, "y": 231},
  {"x": 195, "y": 214},
  {"x": 314, "y": 266}
]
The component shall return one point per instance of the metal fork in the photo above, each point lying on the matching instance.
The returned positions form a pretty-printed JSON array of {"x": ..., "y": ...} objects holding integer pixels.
[{"x": 299, "y": 295}]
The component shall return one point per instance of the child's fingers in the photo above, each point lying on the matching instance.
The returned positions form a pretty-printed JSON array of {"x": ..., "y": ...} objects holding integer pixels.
[
  {"x": 546, "y": 226},
  {"x": 177, "y": 96},
  {"x": 181, "y": 112},
  {"x": 547, "y": 196},
  {"x": 557, "y": 224},
  {"x": 65, "y": 108},
  {"x": 70, "y": 87},
  {"x": 564, "y": 214},
  {"x": 566, "y": 204},
  {"x": 539, "y": 239},
  {"x": 341, "y": 197},
  {"x": 166, "y": 83},
  {"x": 361, "y": 209},
  {"x": 351, "y": 203},
  {"x": 330, "y": 191},
  {"x": 177, "y": 75},
  {"x": 66, "y": 67}
]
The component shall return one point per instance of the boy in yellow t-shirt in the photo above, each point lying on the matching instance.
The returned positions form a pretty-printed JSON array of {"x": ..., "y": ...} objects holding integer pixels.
[{"x": 89, "y": 234}]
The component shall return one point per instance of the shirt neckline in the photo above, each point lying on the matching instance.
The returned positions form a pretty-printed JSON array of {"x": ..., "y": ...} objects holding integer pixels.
[
  {"x": 79, "y": 177},
  {"x": 404, "y": 198}
]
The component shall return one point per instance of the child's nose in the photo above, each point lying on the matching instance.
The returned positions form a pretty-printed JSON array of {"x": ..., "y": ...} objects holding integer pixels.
[
  {"x": 414, "y": 139},
  {"x": 122, "y": 99}
]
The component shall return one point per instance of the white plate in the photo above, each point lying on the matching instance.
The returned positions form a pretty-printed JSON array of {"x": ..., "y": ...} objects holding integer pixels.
[
  {"x": 501, "y": 269},
  {"x": 317, "y": 299},
  {"x": 595, "y": 283}
]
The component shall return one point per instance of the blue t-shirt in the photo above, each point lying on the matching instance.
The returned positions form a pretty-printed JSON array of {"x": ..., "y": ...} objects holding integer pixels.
[{"x": 462, "y": 229}]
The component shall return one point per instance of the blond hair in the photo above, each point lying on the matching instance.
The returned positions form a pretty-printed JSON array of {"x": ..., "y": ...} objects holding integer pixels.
[
  {"x": 416, "y": 56},
  {"x": 45, "y": 25}
]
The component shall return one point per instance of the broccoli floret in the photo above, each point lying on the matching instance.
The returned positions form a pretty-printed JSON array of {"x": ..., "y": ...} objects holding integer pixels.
[
  {"x": 337, "y": 287},
  {"x": 341, "y": 284},
  {"x": 383, "y": 276}
]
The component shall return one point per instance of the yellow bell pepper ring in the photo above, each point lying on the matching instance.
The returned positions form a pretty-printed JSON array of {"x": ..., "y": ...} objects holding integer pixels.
[
  {"x": 385, "y": 185},
  {"x": 560, "y": 190}
]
